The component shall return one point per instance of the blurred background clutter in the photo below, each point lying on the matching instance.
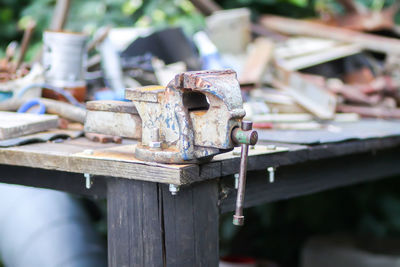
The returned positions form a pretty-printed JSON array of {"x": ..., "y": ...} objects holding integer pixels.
[{"x": 304, "y": 66}]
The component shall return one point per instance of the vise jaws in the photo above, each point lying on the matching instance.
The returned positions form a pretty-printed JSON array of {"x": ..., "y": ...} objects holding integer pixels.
[
  {"x": 196, "y": 116},
  {"x": 191, "y": 119}
]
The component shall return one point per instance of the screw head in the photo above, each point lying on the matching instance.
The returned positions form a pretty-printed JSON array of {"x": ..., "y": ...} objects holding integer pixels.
[
  {"x": 253, "y": 138},
  {"x": 173, "y": 189},
  {"x": 88, "y": 151},
  {"x": 271, "y": 147},
  {"x": 155, "y": 144},
  {"x": 238, "y": 220}
]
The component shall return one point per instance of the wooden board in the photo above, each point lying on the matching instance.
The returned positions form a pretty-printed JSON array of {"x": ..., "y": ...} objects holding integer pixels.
[
  {"x": 257, "y": 61},
  {"x": 18, "y": 124},
  {"x": 68, "y": 156},
  {"x": 309, "y": 60},
  {"x": 147, "y": 226},
  {"x": 308, "y": 94},
  {"x": 301, "y": 27}
]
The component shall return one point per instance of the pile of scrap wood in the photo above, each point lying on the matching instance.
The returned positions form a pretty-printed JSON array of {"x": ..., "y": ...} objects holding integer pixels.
[
  {"x": 363, "y": 83},
  {"x": 298, "y": 73}
]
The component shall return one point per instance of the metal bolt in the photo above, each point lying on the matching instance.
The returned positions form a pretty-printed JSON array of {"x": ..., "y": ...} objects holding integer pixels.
[
  {"x": 155, "y": 139},
  {"x": 173, "y": 189},
  {"x": 271, "y": 174},
  {"x": 155, "y": 144},
  {"x": 236, "y": 180},
  {"x": 236, "y": 152},
  {"x": 88, "y": 151},
  {"x": 89, "y": 181}
]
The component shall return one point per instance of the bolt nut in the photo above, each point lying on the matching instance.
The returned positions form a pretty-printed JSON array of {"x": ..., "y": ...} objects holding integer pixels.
[
  {"x": 271, "y": 147},
  {"x": 236, "y": 152},
  {"x": 88, "y": 151},
  {"x": 155, "y": 144},
  {"x": 238, "y": 220},
  {"x": 173, "y": 189}
]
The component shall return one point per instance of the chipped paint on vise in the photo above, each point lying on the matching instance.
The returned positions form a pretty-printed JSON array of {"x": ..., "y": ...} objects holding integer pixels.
[{"x": 189, "y": 133}]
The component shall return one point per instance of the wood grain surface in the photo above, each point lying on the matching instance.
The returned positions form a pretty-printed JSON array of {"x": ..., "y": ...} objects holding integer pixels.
[
  {"x": 18, "y": 124},
  {"x": 118, "y": 160}
]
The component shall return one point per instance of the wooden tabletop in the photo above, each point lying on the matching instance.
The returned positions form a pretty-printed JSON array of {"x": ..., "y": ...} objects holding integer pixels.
[{"x": 83, "y": 156}]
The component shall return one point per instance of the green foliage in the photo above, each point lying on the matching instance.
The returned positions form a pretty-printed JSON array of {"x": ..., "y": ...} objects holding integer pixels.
[
  {"x": 89, "y": 15},
  {"x": 10, "y": 13}
]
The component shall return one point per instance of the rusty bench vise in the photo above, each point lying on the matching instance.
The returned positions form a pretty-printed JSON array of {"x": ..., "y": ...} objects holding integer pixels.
[{"x": 196, "y": 116}]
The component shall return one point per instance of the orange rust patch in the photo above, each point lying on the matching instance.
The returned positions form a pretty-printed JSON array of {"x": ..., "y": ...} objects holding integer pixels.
[
  {"x": 115, "y": 154},
  {"x": 199, "y": 112},
  {"x": 151, "y": 88}
]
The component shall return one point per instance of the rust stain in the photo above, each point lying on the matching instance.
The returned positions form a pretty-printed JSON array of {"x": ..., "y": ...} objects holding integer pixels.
[
  {"x": 151, "y": 88},
  {"x": 199, "y": 112}
]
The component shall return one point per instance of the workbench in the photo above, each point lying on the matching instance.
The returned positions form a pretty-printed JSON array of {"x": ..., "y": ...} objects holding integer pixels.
[{"x": 148, "y": 226}]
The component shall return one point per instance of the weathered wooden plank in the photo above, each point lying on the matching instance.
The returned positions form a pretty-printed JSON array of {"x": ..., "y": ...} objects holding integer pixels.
[
  {"x": 135, "y": 235},
  {"x": 64, "y": 157},
  {"x": 17, "y": 124},
  {"x": 299, "y": 154},
  {"x": 61, "y": 157},
  {"x": 147, "y": 226},
  {"x": 313, "y": 176},
  {"x": 301, "y": 27},
  {"x": 257, "y": 61},
  {"x": 191, "y": 225}
]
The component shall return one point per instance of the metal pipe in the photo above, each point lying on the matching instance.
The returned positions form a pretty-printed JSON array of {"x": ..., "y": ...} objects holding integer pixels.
[
  {"x": 244, "y": 136},
  {"x": 238, "y": 218}
]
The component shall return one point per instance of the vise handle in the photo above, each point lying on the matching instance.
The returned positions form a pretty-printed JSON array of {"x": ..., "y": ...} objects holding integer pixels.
[{"x": 244, "y": 136}]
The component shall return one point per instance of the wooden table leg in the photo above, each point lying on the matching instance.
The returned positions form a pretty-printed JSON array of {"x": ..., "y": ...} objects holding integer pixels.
[{"x": 147, "y": 226}]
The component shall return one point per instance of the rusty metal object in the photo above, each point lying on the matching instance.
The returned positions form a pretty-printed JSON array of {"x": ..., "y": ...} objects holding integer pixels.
[
  {"x": 115, "y": 118},
  {"x": 25, "y": 42},
  {"x": 194, "y": 116},
  {"x": 245, "y": 137},
  {"x": 8, "y": 67},
  {"x": 192, "y": 119},
  {"x": 103, "y": 138}
]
